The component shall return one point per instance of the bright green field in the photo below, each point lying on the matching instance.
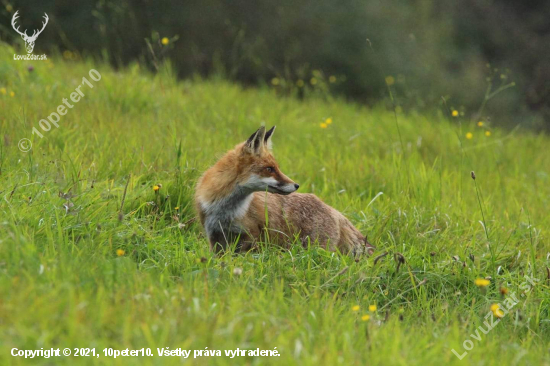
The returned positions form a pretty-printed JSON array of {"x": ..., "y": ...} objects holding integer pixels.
[{"x": 63, "y": 285}]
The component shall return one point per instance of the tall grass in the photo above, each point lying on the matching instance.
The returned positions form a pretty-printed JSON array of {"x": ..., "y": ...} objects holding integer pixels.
[{"x": 92, "y": 256}]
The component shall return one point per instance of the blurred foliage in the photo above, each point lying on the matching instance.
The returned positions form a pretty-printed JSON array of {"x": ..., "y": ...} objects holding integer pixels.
[{"x": 427, "y": 51}]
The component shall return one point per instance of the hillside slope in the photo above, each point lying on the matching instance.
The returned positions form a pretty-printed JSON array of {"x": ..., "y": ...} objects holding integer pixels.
[{"x": 92, "y": 256}]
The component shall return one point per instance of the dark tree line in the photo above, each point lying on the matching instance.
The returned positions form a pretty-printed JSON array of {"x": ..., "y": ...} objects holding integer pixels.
[{"x": 430, "y": 48}]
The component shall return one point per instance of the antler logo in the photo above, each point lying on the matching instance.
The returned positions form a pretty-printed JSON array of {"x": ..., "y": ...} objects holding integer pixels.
[{"x": 29, "y": 40}]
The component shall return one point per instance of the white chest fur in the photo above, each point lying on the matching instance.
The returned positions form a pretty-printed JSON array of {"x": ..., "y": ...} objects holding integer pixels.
[
  {"x": 227, "y": 208},
  {"x": 222, "y": 215}
]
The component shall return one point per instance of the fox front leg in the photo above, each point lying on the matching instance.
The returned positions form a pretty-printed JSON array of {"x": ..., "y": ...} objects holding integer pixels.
[{"x": 221, "y": 241}]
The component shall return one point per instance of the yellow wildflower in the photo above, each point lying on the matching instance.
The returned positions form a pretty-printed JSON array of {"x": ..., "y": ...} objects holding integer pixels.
[
  {"x": 372, "y": 308},
  {"x": 328, "y": 121},
  {"x": 177, "y": 208},
  {"x": 313, "y": 81},
  {"x": 323, "y": 125},
  {"x": 469, "y": 135},
  {"x": 482, "y": 282},
  {"x": 165, "y": 41},
  {"x": 355, "y": 308},
  {"x": 120, "y": 252},
  {"x": 332, "y": 79},
  {"x": 495, "y": 308},
  {"x": 275, "y": 81},
  {"x": 503, "y": 290},
  {"x": 365, "y": 317},
  {"x": 454, "y": 113},
  {"x": 156, "y": 188},
  {"x": 12, "y": 94},
  {"x": 480, "y": 123},
  {"x": 487, "y": 133},
  {"x": 3, "y": 90},
  {"x": 390, "y": 80}
]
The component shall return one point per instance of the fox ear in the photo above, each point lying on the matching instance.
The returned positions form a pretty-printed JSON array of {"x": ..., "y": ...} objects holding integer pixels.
[
  {"x": 255, "y": 142},
  {"x": 267, "y": 138}
]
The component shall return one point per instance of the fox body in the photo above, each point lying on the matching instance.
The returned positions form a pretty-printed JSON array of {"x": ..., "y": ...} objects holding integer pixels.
[{"x": 245, "y": 198}]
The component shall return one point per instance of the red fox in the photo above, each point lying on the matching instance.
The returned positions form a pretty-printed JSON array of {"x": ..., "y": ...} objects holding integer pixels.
[{"x": 245, "y": 198}]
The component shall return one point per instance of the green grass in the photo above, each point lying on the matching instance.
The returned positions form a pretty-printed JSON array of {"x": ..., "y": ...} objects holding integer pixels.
[{"x": 62, "y": 284}]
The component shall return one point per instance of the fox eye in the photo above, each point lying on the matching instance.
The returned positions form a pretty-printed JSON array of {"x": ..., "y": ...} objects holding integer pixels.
[{"x": 270, "y": 169}]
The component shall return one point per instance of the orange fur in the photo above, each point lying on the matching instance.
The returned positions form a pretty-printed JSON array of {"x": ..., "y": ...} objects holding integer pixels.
[{"x": 232, "y": 205}]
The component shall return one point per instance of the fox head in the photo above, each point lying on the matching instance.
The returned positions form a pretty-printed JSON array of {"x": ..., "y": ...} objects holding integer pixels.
[{"x": 257, "y": 168}]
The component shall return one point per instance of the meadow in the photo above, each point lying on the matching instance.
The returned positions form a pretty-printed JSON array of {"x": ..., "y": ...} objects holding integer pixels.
[{"x": 99, "y": 247}]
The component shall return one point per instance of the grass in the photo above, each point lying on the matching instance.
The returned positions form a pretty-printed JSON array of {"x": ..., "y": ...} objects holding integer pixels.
[{"x": 84, "y": 194}]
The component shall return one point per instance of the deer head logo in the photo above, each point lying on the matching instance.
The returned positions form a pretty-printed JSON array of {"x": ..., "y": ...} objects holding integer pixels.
[{"x": 29, "y": 40}]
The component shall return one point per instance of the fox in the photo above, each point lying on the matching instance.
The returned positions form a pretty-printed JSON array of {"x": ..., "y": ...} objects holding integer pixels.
[{"x": 245, "y": 199}]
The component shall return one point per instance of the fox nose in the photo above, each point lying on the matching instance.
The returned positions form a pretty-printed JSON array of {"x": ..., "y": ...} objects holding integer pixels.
[{"x": 296, "y": 186}]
